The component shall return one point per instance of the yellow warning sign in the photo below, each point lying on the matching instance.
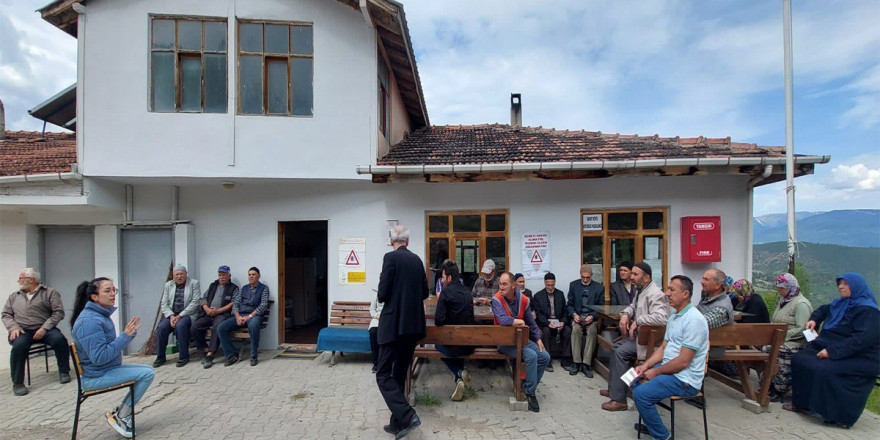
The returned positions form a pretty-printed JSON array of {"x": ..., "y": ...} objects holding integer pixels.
[{"x": 357, "y": 277}]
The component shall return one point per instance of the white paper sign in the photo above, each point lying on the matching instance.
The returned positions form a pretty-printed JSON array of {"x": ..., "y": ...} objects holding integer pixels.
[
  {"x": 592, "y": 222},
  {"x": 352, "y": 264},
  {"x": 810, "y": 335},
  {"x": 629, "y": 377},
  {"x": 535, "y": 254}
]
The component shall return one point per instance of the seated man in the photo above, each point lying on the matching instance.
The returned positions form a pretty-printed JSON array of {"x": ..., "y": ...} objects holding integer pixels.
[
  {"x": 455, "y": 306},
  {"x": 678, "y": 366},
  {"x": 582, "y": 294},
  {"x": 486, "y": 284},
  {"x": 247, "y": 307},
  {"x": 512, "y": 309},
  {"x": 215, "y": 308},
  {"x": 180, "y": 302},
  {"x": 31, "y": 316},
  {"x": 549, "y": 307}
]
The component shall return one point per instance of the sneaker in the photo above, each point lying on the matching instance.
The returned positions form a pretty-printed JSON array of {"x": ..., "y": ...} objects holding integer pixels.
[
  {"x": 574, "y": 370},
  {"x": 19, "y": 389},
  {"x": 65, "y": 377},
  {"x": 549, "y": 367},
  {"x": 459, "y": 391},
  {"x": 182, "y": 362},
  {"x": 231, "y": 360},
  {"x": 254, "y": 362},
  {"x": 121, "y": 426},
  {"x": 466, "y": 377},
  {"x": 158, "y": 362},
  {"x": 208, "y": 361}
]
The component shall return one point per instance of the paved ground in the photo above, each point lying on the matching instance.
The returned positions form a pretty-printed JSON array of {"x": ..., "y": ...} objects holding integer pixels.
[{"x": 284, "y": 398}]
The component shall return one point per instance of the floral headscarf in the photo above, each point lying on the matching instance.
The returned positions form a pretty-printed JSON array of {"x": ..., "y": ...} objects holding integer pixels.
[
  {"x": 788, "y": 282},
  {"x": 742, "y": 289}
]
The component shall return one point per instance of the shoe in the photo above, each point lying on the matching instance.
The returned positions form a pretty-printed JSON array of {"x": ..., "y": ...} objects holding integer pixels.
[
  {"x": 575, "y": 368},
  {"x": 65, "y": 377},
  {"x": 466, "y": 377},
  {"x": 182, "y": 362},
  {"x": 549, "y": 367},
  {"x": 254, "y": 362},
  {"x": 389, "y": 429},
  {"x": 19, "y": 389},
  {"x": 119, "y": 424},
  {"x": 533, "y": 403},
  {"x": 641, "y": 428},
  {"x": 586, "y": 370},
  {"x": 696, "y": 402},
  {"x": 158, "y": 362},
  {"x": 790, "y": 407},
  {"x": 373, "y": 370},
  {"x": 775, "y": 396},
  {"x": 613, "y": 405},
  {"x": 413, "y": 424},
  {"x": 459, "y": 390},
  {"x": 605, "y": 393},
  {"x": 231, "y": 360},
  {"x": 208, "y": 361}
]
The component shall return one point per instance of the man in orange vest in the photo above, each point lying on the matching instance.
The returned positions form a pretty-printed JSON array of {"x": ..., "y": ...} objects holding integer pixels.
[{"x": 511, "y": 307}]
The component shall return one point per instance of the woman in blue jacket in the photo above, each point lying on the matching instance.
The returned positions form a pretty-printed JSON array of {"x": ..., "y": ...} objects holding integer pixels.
[{"x": 100, "y": 349}]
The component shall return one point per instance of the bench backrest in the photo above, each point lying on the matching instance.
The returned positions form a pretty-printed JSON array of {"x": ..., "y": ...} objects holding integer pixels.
[
  {"x": 748, "y": 334},
  {"x": 354, "y": 314},
  {"x": 476, "y": 335}
]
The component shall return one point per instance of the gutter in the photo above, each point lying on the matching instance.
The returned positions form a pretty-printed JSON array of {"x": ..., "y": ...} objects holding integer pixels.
[
  {"x": 480, "y": 168},
  {"x": 36, "y": 178},
  {"x": 366, "y": 12}
]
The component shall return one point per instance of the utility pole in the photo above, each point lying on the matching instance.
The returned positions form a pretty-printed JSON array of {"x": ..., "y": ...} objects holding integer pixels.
[{"x": 789, "y": 134}]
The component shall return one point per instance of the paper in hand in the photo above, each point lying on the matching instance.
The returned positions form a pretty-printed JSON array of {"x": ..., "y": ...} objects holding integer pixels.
[
  {"x": 629, "y": 377},
  {"x": 554, "y": 322},
  {"x": 810, "y": 335}
]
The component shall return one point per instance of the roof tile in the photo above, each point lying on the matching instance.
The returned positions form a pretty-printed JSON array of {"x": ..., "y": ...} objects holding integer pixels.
[{"x": 32, "y": 152}]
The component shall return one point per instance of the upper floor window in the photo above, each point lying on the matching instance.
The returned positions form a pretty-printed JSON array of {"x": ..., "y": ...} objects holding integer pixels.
[
  {"x": 188, "y": 64},
  {"x": 384, "y": 99},
  {"x": 275, "y": 68}
]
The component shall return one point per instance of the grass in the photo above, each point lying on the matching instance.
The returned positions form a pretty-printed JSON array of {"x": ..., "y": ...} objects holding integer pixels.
[
  {"x": 873, "y": 404},
  {"x": 427, "y": 399}
]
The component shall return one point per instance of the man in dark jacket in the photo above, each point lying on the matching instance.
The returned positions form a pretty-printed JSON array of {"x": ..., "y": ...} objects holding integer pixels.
[
  {"x": 215, "y": 308},
  {"x": 623, "y": 290},
  {"x": 583, "y": 293},
  {"x": 403, "y": 287},
  {"x": 455, "y": 306},
  {"x": 549, "y": 305}
]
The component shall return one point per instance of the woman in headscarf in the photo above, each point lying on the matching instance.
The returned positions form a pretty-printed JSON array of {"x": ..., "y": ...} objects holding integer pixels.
[
  {"x": 794, "y": 310},
  {"x": 833, "y": 376},
  {"x": 745, "y": 300}
]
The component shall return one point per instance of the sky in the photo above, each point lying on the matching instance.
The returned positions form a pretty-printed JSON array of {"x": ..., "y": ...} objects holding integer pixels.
[{"x": 673, "y": 68}]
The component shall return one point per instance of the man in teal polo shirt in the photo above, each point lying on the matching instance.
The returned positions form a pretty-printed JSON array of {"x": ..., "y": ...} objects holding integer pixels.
[{"x": 678, "y": 366}]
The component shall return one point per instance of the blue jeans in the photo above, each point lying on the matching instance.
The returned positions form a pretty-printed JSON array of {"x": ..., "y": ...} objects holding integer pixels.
[
  {"x": 536, "y": 362},
  {"x": 226, "y": 327},
  {"x": 647, "y": 394},
  {"x": 455, "y": 365},
  {"x": 181, "y": 330},
  {"x": 141, "y": 374}
]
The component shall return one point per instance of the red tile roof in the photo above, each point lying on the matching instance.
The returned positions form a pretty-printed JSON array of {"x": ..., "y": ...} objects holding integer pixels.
[
  {"x": 497, "y": 143},
  {"x": 32, "y": 152}
]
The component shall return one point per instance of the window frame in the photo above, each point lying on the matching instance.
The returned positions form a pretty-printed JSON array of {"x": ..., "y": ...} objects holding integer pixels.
[
  {"x": 264, "y": 55},
  {"x": 639, "y": 234},
  {"x": 178, "y": 55}
]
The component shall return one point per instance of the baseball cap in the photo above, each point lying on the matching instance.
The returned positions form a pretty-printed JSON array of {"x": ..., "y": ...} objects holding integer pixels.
[{"x": 488, "y": 266}]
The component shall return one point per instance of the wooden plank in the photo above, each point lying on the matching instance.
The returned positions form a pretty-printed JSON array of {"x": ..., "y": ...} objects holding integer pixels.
[
  {"x": 744, "y": 334},
  {"x": 356, "y": 314}
]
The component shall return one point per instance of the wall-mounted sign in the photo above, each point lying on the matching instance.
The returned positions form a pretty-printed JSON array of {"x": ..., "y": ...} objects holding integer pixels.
[
  {"x": 592, "y": 222},
  {"x": 352, "y": 267},
  {"x": 535, "y": 254}
]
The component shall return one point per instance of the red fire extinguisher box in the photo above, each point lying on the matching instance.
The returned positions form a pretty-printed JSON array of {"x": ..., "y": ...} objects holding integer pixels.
[{"x": 700, "y": 239}]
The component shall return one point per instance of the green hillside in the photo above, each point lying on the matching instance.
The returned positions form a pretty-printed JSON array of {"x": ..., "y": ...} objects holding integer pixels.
[{"x": 822, "y": 263}]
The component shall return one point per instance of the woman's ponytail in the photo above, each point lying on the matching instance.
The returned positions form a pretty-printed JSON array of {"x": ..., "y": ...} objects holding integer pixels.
[{"x": 84, "y": 293}]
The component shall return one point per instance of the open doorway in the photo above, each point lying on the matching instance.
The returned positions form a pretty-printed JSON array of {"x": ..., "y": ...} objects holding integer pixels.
[{"x": 303, "y": 268}]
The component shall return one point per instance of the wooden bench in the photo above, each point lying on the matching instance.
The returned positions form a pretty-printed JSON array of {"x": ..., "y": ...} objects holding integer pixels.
[
  {"x": 242, "y": 334},
  {"x": 348, "y": 330},
  {"x": 738, "y": 339},
  {"x": 475, "y": 336}
]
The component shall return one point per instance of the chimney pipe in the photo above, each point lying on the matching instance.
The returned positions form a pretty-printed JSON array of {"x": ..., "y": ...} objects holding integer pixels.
[
  {"x": 515, "y": 110},
  {"x": 2, "y": 121}
]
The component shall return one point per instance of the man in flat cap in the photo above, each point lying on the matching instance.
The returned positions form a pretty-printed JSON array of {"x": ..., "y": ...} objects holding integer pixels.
[
  {"x": 180, "y": 303},
  {"x": 215, "y": 307}
]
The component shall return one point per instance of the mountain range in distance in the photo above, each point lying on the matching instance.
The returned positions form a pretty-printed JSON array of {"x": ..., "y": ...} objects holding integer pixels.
[{"x": 850, "y": 227}]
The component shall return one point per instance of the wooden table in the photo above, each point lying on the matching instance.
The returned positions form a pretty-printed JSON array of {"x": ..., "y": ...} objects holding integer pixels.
[{"x": 482, "y": 314}]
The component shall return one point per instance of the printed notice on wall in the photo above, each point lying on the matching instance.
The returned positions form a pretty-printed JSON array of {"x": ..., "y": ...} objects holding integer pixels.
[
  {"x": 592, "y": 222},
  {"x": 352, "y": 267},
  {"x": 535, "y": 254}
]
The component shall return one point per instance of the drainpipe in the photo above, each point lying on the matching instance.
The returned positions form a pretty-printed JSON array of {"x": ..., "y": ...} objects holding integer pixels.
[
  {"x": 175, "y": 202},
  {"x": 750, "y": 235},
  {"x": 80, "y": 10},
  {"x": 129, "y": 203},
  {"x": 2, "y": 121},
  {"x": 366, "y": 12}
]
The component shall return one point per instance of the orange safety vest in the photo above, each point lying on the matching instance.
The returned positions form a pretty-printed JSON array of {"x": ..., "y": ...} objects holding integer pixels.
[{"x": 523, "y": 305}]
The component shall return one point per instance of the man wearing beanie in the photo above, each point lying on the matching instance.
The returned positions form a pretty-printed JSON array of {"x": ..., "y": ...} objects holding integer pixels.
[
  {"x": 650, "y": 307},
  {"x": 180, "y": 303}
]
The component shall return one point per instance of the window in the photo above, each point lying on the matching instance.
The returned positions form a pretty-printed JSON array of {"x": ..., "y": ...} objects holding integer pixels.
[
  {"x": 469, "y": 238},
  {"x": 275, "y": 68},
  {"x": 187, "y": 65},
  {"x": 610, "y": 237},
  {"x": 384, "y": 98}
]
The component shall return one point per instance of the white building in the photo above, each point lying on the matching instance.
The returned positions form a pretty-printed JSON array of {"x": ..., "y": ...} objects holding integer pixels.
[{"x": 263, "y": 132}]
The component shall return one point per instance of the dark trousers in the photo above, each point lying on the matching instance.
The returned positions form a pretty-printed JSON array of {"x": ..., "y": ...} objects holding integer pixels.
[
  {"x": 200, "y": 329},
  {"x": 548, "y": 335},
  {"x": 22, "y": 344},
  {"x": 181, "y": 331},
  {"x": 623, "y": 353},
  {"x": 394, "y": 359},
  {"x": 374, "y": 345}
]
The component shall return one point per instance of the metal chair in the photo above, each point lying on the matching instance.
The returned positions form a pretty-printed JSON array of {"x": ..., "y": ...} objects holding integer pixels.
[
  {"x": 671, "y": 407},
  {"x": 82, "y": 395},
  {"x": 37, "y": 348}
]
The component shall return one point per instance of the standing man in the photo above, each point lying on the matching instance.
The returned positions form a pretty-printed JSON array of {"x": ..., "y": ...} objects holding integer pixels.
[
  {"x": 454, "y": 307},
  {"x": 215, "y": 308},
  {"x": 512, "y": 308},
  {"x": 678, "y": 366},
  {"x": 180, "y": 303},
  {"x": 247, "y": 310},
  {"x": 486, "y": 284},
  {"x": 403, "y": 287},
  {"x": 31, "y": 315},
  {"x": 649, "y": 307},
  {"x": 623, "y": 290},
  {"x": 549, "y": 306},
  {"x": 582, "y": 294}
]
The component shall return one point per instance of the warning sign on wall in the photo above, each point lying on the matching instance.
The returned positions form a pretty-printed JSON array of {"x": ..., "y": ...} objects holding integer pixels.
[
  {"x": 535, "y": 254},
  {"x": 352, "y": 268}
]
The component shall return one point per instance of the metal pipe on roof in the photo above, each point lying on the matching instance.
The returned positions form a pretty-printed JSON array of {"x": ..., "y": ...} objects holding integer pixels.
[
  {"x": 2, "y": 121},
  {"x": 789, "y": 133},
  {"x": 366, "y": 12},
  {"x": 35, "y": 178}
]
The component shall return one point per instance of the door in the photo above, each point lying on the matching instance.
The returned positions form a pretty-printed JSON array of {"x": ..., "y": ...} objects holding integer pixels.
[
  {"x": 302, "y": 265},
  {"x": 147, "y": 256},
  {"x": 68, "y": 259}
]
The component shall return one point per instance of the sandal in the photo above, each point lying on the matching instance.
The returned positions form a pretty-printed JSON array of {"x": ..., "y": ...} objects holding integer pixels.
[{"x": 790, "y": 407}]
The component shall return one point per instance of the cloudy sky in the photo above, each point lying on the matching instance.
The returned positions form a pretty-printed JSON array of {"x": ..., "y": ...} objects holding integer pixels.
[{"x": 672, "y": 68}]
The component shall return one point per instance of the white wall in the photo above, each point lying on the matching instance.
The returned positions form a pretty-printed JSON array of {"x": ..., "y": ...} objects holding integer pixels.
[
  {"x": 124, "y": 139},
  {"x": 19, "y": 248}
]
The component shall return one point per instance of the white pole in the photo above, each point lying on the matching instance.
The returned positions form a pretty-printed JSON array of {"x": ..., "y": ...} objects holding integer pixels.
[{"x": 789, "y": 133}]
